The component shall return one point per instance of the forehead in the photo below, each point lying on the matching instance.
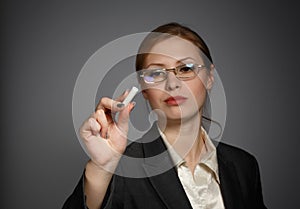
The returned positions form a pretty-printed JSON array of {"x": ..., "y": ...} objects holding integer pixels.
[{"x": 174, "y": 48}]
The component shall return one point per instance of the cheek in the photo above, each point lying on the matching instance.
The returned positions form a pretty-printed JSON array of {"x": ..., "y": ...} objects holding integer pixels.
[
  {"x": 153, "y": 95},
  {"x": 198, "y": 90},
  {"x": 152, "y": 92},
  {"x": 197, "y": 84}
]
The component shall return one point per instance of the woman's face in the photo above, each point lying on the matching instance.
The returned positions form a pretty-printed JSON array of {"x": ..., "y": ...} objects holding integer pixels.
[{"x": 175, "y": 98}]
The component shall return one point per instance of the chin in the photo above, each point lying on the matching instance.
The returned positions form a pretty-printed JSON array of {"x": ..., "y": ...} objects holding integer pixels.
[{"x": 181, "y": 115}]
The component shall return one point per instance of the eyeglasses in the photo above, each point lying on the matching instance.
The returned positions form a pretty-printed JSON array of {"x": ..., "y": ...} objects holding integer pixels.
[{"x": 182, "y": 72}]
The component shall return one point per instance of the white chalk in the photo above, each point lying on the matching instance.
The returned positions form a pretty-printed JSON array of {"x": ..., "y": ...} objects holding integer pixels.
[{"x": 134, "y": 90}]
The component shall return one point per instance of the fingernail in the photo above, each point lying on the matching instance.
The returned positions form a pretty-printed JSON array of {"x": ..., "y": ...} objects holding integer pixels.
[
  {"x": 127, "y": 90},
  {"x": 120, "y": 105},
  {"x": 132, "y": 106}
]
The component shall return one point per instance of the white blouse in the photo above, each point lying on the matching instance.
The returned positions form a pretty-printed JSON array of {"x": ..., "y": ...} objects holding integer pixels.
[{"x": 202, "y": 188}]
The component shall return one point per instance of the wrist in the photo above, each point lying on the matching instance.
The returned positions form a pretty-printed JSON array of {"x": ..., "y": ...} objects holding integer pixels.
[{"x": 105, "y": 170}]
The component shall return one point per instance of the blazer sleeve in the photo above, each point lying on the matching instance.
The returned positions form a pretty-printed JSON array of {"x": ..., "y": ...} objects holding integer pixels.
[
  {"x": 77, "y": 199},
  {"x": 112, "y": 199},
  {"x": 245, "y": 177},
  {"x": 251, "y": 182},
  {"x": 258, "y": 200}
]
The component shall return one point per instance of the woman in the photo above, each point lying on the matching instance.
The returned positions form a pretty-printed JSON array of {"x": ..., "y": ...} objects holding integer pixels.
[{"x": 175, "y": 71}]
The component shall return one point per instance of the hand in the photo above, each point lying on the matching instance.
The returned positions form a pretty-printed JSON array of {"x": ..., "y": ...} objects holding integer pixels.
[{"x": 104, "y": 138}]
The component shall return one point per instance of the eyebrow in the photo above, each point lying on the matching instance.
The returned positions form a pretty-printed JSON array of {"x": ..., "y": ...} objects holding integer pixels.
[
  {"x": 186, "y": 58},
  {"x": 178, "y": 61}
]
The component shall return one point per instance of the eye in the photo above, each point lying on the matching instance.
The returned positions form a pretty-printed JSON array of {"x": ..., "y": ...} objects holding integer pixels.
[
  {"x": 186, "y": 68},
  {"x": 155, "y": 73},
  {"x": 149, "y": 79}
]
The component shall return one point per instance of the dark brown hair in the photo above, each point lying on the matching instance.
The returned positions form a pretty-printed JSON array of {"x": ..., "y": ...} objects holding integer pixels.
[{"x": 167, "y": 31}]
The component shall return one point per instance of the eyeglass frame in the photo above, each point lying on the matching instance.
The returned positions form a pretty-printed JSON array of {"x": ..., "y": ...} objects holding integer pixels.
[{"x": 175, "y": 70}]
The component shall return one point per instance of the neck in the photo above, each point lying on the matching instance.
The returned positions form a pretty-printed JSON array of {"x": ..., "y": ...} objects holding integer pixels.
[{"x": 185, "y": 137}]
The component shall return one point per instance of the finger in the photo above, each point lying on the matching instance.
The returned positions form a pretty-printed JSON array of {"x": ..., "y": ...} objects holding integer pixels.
[
  {"x": 108, "y": 104},
  {"x": 95, "y": 127},
  {"x": 101, "y": 118},
  {"x": 90, "y": 127},
  {"x": 122, "y": 96},
  {"x": 118, "y": 99}
]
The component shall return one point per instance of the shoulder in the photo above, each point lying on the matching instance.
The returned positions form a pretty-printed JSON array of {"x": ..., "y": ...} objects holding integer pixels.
[
  {"x": 235, "y": 155},
  {"x": 244, "y": 168},
  {"x": 243, "y": 163}
]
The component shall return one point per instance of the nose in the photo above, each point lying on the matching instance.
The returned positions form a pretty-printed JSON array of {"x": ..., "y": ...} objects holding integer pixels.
[{"x": 172, "y": 82}]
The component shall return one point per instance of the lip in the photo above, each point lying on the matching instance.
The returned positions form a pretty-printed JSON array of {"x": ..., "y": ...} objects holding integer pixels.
[{"x": 177, "y": 100}]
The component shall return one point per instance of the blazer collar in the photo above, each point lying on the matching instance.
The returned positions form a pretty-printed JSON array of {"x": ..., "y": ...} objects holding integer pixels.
[{"x": 162, "y": 174}]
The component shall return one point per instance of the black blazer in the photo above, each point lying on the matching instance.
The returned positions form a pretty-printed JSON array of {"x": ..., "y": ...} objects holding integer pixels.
[{"x": 238, "y": 171}]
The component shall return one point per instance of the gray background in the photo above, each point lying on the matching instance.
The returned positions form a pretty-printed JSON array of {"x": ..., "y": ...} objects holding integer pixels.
[{"x": 44, "y": 45}]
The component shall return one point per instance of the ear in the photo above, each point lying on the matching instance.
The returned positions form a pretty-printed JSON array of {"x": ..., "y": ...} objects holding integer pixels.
[
  {"x": 210, "y": 78},
  {"x": 145, "y": 95}
]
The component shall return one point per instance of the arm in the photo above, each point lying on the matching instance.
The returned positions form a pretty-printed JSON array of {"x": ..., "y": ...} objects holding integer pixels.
[
  {"x": 105, "y": 140},
  {"x": 110, "y": 193},
  {"x": 96, "y": 182}
]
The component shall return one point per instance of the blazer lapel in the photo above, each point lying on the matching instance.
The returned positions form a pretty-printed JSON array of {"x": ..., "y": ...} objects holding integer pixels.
[
  {"x": 162, "y": 174},
  {"x": 169, "y": 189},
  {"x": 230, "y": 186}
]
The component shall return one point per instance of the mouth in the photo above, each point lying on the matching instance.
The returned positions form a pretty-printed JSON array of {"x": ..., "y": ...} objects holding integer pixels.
[{"x": 174, "y": 101}]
